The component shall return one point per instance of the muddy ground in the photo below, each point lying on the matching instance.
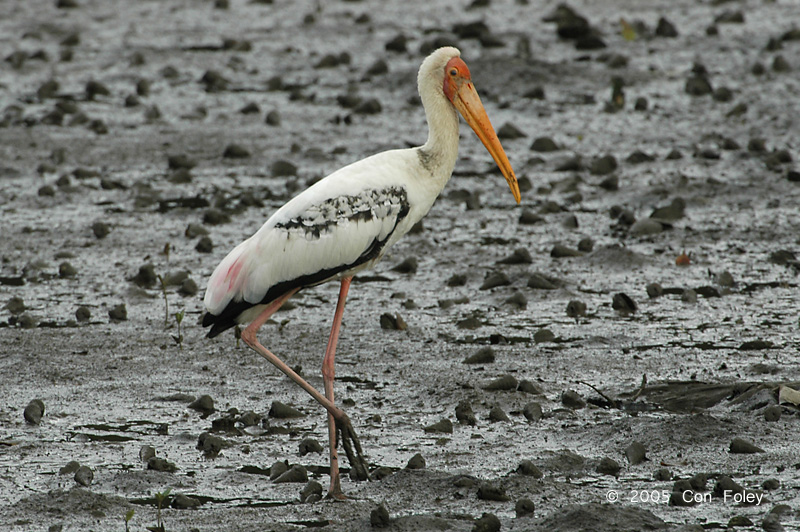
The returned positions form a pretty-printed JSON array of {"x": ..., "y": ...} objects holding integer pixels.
[{"x": 88, "y": 198}]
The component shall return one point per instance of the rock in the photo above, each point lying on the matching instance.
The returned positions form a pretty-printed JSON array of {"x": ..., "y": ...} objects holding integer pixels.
[
  {"x": 572, "y": 399},
  {"x": 489, "y": 492},
  {"x": 146, "y": 452},
  {"x": 311, "y": 492},
  {"x": 654, "y": 290},
  {"x": 494, "y": 280},
  {"x": 444, "y": 426},
  {"x": 296, "y": 473},
  {"x": 623, "y": 304},
  {"x": 541, "y": 282},
  {"x": 34, "y": 411},
  {"x": 118, "y": 313},
  {"x": 526, "y": 386},
  {"x": 635, "y": 453},
  {"x": 282, "y": 411},
  {"x": 180, "y": 161},
  {"x": 532, "y": 411},
  {"x": 184, "y": 502},
  {"x": 543, "y": 335},
  {"x": 273, "y": 118},
  {"x": 517, "y": 300},
  {"x": 379, "y": 517},
  {"x": 529, "y": 469},
  {"x": 100, "y": 230},
  {"x": 95, "y": 88},
  {"x": 214, "y": 81},
  {"x": 665, "y": 28},
  {"x": 496, "y": 414},
  {"x": 84, "y": 476},
  {"x": 524, "y": 508},
  {"x": 203, "y": 404},
  {"x": 662, "y": 474},
  {"x": 740, "y": 446},
  {"x": 210, "y": 444},
  {"x": 16, "y": 305},
  {"x": 674, "y": 211},
  {"x": 484, "y": 355},
  {"x": 520, "y": 256},
  {"x": 70, "y": 467},
  {"x": 509, "y": 131},
  {"x": 464, "y": 413},
  {"x": 277, "y": 469},
  {"x": 146, "y": 276},
  {"x": 408, "y": 265},
  {"x": 188, "y": 288},
  {"x": 561, "y": 251},
  {"x": 528, "y": 217},
  {"x": 698, "y": 85},
  {"x": 771, "y": 484},
  {"x": 204, "y": 245},
  {"x": 416, "y": 462},
  {"x": 504, "y": 383},
  {"x": 607, "y": 466},
  {"x": 309, "y": 445},
  {"x": 726, "y": 484},
  {"x": 689, "y": 296},
  {"x": 645, "y": 227}
]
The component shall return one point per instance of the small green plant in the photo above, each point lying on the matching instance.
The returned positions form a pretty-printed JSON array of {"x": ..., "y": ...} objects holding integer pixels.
[
  {"x": 166, "y": 301},
  {"x": 179, "y": 337},
  {"x": 128, "y": 517},
  {"x": 161, "y": 500}
]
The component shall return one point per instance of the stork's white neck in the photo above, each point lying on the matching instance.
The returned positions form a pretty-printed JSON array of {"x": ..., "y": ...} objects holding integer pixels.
[{"x": 440, "y": 152}]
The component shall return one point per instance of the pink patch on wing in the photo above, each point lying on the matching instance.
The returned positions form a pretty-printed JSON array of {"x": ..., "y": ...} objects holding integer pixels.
[{"x": 233, "y": 273}]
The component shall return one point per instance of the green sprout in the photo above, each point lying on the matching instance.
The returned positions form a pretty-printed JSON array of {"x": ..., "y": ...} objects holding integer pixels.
[
  {"x": 166, "y": 301},
  {"x": 161, "y": 500},
  {"x": 179, "y": 338},
  {"x": 128, "y": 517}
]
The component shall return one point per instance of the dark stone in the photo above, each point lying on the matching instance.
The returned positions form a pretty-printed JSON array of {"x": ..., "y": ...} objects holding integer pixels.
[{"x": 464, "y": 413}]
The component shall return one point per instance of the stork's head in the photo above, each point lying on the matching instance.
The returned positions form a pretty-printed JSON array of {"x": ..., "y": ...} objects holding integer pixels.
[{"x": 446, "y": 64}]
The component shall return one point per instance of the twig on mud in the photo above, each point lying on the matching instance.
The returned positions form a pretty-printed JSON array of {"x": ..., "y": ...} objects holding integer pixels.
[{"x": 613, "y": 402}]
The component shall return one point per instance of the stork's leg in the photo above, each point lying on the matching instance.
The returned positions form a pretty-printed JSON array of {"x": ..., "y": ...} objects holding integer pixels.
[
  {"x": 341, "y": 421},
  {"x": 328, "y": 374}
]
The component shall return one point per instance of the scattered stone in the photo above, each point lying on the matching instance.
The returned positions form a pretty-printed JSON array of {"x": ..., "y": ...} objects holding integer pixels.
[
  {"x": 296, "y": 473},
  {"x": 654, "y": 290},
  {"x": 662, "y": 474},
  {"x": 236, "y": 151},
  {"x": 610, "y": 183},
  {"x": 541, "y": 282},
  {"x": 623, "y": 304},
  {"x": 277, "y": 469},
  {"x": 603, "y": 165},
  {"x": 740, "y": 446},
  {"x": 273, "y": 118},
  {"x": 586, "y": 245},
  {"x": 665, "y": 28},
  {"x": 543, "y": 335},
  {"x": 756, "y": 345},
  {"x": 689, "y": 296},
  {"x": 146, "y": 452},
  {"x": 572, "y": 399},
  {"x": 184, "y": 502},
  {"x": 496, "y": 414},
  {"x": 698, "y": 84},
  {"x": 118, "y": 313},
  {"x": 489, "y": 492},
  {"x": 504, "y": 383},
  {"x": 203, "y": 404},
  {"x": 561, "y": 251},
  {"x": 84, "y": 476},
  {"x": 70, "y": 467},
  {"x": 282, "y": 411},
  {"x": 520, "y": 256},
  {"x": 379, "y": 517},
  {"x": 698, "y": 481},
  {"x": 484, "y": 355},
  {"x": 517, "y": 300},
  {"x": 607, "y": 466},
  {"x": 544, "y": 144},
  {"x": 576, "y": 309},
  {"x": 82, "y": 314},
  {"x": 408, "y": 265},
  {"x": 529, "y": 469},
  {"x": 771, "y": 484},
  {"x": 444, "y": 426},
  {"x": 739, "y": 521},
  {"x": 204, "y": 245},
  {"x": 34, "y": 411},
  {"x": 532, "y": 411},
  {"x": 510, "y": 131},
  {"x": 146, "y": 276},
  {"x": 309, "y": 445},
  {"x": 416, "y": 462},
  {"x": 188, "y": 288},
  {"x": 524, "y": 508},
  {"x": 16, "y": 305},
  {"x": 214, "y": 81},
  {"x": 526, "y": 386},
  {"x": 528, "y": 217},
  {"x": 635, "y": 453},
  {"x": 726, "y": 484},
  {"x": 100, "y": 230}
]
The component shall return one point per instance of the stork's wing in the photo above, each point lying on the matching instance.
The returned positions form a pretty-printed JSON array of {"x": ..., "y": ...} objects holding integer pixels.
[{"x": 303, "y": 244}]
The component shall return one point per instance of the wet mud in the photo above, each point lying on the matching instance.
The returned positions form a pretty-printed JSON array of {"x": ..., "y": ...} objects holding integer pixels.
[{"x": 620, "y": 352}]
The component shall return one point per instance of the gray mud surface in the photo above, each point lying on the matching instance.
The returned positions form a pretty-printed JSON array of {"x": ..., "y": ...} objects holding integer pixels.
[{"x": 717, "y": 344}]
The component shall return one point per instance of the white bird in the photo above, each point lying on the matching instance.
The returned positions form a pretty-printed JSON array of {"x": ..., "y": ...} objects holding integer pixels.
[{"x": 345, "y": 223}]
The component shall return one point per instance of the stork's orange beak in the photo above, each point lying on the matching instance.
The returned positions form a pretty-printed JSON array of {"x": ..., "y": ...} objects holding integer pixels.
[{"x": 468, "y": 103}]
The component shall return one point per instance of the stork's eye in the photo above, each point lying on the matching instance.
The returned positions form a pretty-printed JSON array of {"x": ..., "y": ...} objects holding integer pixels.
[{"x": 453, "y": 71}]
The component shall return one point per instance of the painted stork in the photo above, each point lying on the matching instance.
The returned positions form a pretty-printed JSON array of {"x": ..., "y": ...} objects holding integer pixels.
[{"x": 345, "y": 223}]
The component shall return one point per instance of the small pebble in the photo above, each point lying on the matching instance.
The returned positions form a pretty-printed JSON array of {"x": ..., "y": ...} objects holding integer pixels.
[
  {"x": 379, "y": 517},
  {"x": 576, "y": 309},
  {"x": 544, "y": 144},
  {"x": 539, "y": 281},
  {"x": 184, "y": 502},
  {"x": 160, "y": 464},
  {"x": 146, "y": 452},
  {"x": 484, "y": 355},
  {"x": 69, "y": 467},
  {"x": 392, "y": 322},
  {"x": 623, "y": 304},
  {"x": 635, "y": 453},
  {"x": 771, "y": 484},
  {"x": 494, "y": 280},
  {"x": 416, "y": 462},
  {"x": 689, "y": 296},
  {"x": 16, "y": 305},
  {"x": 572, "y": 399},
  {"x": 519, "y": 256},
  {"x": 235, "y": 151},
  {"x": 34, "y": 411},
  {"x": 210, "y": 444},
  {"x": 560, "y": 251},
  {"x": 277, "y": 469},
  {"x": 145, "y": 277},
  {"x": 532, "y": 388},
  {"x": 772, "y": 413},
  {"x": 66, "y": 270},
  {"x": 528, "y": 468},
  {"x": 84, "y": 476},
  {"x": 727, "y": 484},
  {"x": 203, "y": 404},
  {"x": 543, "y": 335},
  {"x": 662, "y": 474},
  {"x": 100, "y": 230},
  {"x": 524, "y": 508},
  {"x": 464, "y": 413},
  {"x": 444, "y": 426},
  {"x": 311, "y": 492},
  {"x": 204, "y": 245},
  {"x": 408, "y": 265},
  {"x": 603, "y": 165},
  {"x": 296, "y": 473},
  {"x": 654, "y": 290}
]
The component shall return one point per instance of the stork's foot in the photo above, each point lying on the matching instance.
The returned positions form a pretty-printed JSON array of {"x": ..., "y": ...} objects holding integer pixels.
[{"x": 352, "y": 448}]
